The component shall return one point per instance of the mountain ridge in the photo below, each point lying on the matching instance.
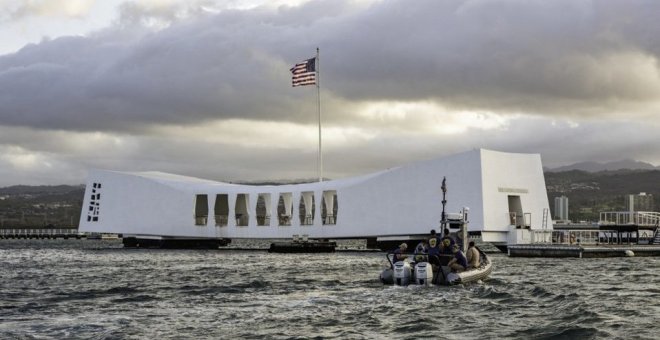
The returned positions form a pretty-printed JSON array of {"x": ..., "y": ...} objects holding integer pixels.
[{"x": 593, "y": 167}]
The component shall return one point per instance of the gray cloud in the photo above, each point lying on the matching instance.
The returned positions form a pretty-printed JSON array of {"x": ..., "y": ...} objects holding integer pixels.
[
  {"x": 550, "y": 77},
  {"x": 30, "y": 156},
  {"x": 508, "y": 55},
  {"x": 560, "y": 57}
]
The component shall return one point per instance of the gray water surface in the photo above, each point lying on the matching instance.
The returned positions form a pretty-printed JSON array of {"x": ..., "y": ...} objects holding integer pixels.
[{"x": 84, "y": 289}]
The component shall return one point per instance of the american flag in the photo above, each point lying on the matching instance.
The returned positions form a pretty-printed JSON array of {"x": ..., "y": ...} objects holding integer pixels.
[{"x": 304, "y": 73}]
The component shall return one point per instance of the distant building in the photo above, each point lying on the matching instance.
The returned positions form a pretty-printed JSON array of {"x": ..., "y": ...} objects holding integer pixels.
[
  {"x": 561, "y": 208},
  {"x": 639, "y": 202}
]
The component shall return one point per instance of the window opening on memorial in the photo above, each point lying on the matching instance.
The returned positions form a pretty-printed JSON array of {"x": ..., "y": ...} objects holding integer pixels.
[
  {"x": 515, "y": 211},
  {"x": 94, "y": 203},
  {"x": 263, "y": 210},
  {"x": 285, "y": 209},
  {"x": 221, "y": 210},
  {"x": 306, "y": 208},
  {"x": 329, "y": 207},
  {"x": 241, "y": 210},
  {"x": 201, "y": 209}
]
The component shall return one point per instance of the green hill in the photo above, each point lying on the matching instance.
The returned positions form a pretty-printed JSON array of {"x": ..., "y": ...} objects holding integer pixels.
[
  {"x": 591, "y": 193},
  {"x": 39, "y": 206}
]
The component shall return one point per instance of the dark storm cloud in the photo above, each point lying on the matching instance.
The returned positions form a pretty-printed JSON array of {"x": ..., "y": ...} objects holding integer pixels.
[
  {"x": 501, "y": 54},
  {"x": 554, "y": 57}
]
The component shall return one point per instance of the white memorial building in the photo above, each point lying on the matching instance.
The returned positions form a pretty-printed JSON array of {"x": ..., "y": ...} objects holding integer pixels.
[{"x": 503, "y": 191}]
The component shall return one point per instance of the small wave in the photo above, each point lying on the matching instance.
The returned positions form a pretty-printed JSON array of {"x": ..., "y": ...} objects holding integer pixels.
[
  {"x": 613, "y": 289},
  {"x": 491, "y": 293},
  {"x": 332, "y": 283},
  {"x": 31, "y": 307},
  {"x": 228, "y": 289},
  {"x": 304, "y": 281},
  {"x": 575, "y": 332},
  {"x": 189, "y": 287},
  {"x": 562, "y": 297},
  {"x": 138, "y": 298},
  {"x": 413, "y": 327},
  {"x": 207, "y": 269},
  {"x": 541, "y": 292},
  {"x": 494, "y": 281},
  {"x": 9, "y": 307},
  {"x": 329, "y": 322},
  {"x": 121, "y": 290},
  {"x": 71, "y": 296},
  {"x": 253, "y": 284}
]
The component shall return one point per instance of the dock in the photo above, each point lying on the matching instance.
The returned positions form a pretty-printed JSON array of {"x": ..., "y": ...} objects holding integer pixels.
[
  {"x": 617, "y": 234},
  {"x": 312, "y": 246},
  {"x": 578, "y": 251}
]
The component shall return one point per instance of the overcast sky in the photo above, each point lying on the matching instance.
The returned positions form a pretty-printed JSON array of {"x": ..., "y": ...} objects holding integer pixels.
[{"x": 203, "y": 88}]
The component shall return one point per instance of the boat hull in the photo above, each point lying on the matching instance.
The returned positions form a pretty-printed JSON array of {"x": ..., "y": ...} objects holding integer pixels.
[{"x": 444, "y": 276}]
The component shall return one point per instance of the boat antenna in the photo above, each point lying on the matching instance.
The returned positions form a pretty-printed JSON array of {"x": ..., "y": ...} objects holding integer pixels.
[{"x": 443, "y": 222}]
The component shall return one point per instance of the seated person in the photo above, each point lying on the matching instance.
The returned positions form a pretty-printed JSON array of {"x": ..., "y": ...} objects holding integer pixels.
[
  {"x": 399, "y": 253},
  {"x": 422, "y": 248},
  {"x": 447, "y": 238},
  {"x": 433, "y": 248},
  {"x": 421, "y": 251},
  {"x": 459, "y": 262},
  {"x": 446, "y": 246},
  {"x": 472, "y": 256}
]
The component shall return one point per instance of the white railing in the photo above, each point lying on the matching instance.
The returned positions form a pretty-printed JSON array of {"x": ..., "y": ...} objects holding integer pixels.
[
  {"x": 38, "y": 232},
  {"x": 523, "y": 220},
  {"x": 640, "y": 218},
  {"x": 541, "y": 236},
  {"x": 569, "y": 237}
]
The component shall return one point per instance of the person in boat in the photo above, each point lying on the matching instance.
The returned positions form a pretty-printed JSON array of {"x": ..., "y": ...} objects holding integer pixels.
[
  {"x": 459, "y": 262},
  {"x": 421, "y": 251},
  {"x": 446, "y": 246},
  {"x": 472, "y": 256},
  {"x": 434, "y": 248},
  {"x": 448, "y": 243},
  {"x": 400, "y": 253}
]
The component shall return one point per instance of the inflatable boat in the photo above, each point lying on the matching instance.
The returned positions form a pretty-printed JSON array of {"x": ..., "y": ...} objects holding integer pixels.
[{"x": 404, "y": 273}]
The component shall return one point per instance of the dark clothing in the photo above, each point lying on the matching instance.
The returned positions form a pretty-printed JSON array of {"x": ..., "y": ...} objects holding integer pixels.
[
  {"x": 398, "y": 255},
  {"x": 434, "y": 246},
  {"x": 446, "y": 249},
  {"x": 461, "y": 259},
  {"x": 420, "y": 252},
  {"x": 435, "y": 260}
]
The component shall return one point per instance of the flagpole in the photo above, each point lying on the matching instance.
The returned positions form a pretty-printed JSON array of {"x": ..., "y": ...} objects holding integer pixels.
[{"x": 318, "y": 96}]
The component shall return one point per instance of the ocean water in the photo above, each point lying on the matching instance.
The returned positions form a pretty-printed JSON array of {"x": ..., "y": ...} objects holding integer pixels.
[{"x": 85, "y": 289}]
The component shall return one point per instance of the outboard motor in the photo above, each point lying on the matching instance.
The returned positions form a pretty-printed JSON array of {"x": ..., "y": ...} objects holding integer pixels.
[
  {"x": 423, "y": 273},
  {"x": 402, "y": 273}
]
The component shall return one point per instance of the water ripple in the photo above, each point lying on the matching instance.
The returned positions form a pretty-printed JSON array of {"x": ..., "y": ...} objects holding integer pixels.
[{"x": 80, "y": 290}]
